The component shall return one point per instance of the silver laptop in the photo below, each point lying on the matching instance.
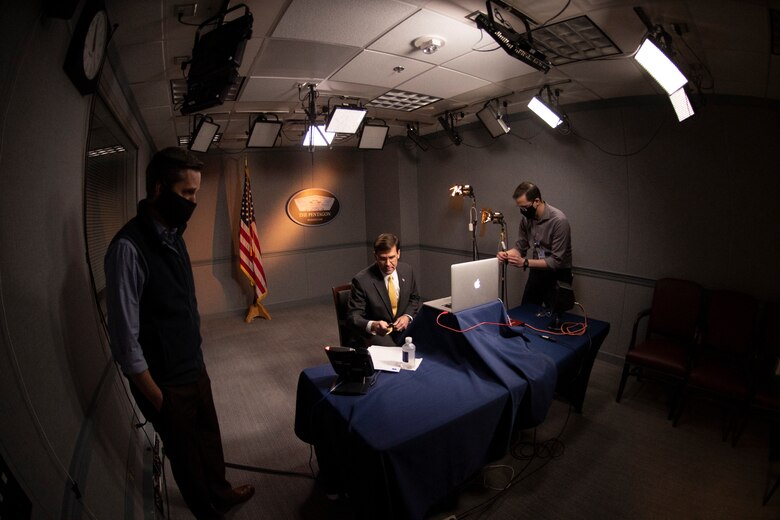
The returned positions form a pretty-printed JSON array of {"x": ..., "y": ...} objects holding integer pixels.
[{"x": 471, "y": 284}]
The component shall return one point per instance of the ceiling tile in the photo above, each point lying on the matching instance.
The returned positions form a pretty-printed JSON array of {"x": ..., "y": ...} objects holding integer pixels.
[
  {"x": 156, "y": 116},
  {"x": 376, "y": 68},
  {"x": 134, "y": 29},
  {"x": 271, "y": 89},
  {"x": 152, "y": 94},
  {"x": 459, "y": 37},
  {"x": 291, "y": 58},
  {"x": 345, "y": 22},
  {"x": 441, "y": 82},
  {"x": 143, "y": 62},
  {"x": 493, "y": 66}
]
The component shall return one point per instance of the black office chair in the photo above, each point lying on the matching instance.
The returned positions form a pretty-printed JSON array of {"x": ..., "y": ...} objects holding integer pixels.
[{"x": 347, "y": 337}]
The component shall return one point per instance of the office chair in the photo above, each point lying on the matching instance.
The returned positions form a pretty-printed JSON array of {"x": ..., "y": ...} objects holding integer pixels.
[
  {"x": 721, "y": 366},
  {"x": 671, "y": 334},
  {"x": 347, "y": 337}
]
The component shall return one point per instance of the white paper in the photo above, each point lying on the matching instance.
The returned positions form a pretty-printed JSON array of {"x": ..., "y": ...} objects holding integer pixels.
[{"x": 388, "y": 359}]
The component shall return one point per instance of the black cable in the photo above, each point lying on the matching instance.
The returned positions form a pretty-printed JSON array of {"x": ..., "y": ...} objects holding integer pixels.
[
  {"x": 269, "y": 471},
  {"x": 629, "y": 154},
  {"x": 544, "y": 24}
]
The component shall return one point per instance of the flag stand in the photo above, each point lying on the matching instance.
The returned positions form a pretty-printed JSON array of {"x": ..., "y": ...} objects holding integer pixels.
[{"x": 256, "y": 310}]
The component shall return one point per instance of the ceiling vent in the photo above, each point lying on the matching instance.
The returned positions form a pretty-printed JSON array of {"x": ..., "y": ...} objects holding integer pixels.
[
  {"x": 575, "y": 39},
  {"x": 404, "y": 101}
]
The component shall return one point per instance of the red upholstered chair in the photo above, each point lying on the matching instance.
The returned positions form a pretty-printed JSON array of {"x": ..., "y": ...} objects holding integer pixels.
[
  {"x": 765, "y": 402},
  {"x": 721, "y": 368},
  {"x": 672, "y": 330}
]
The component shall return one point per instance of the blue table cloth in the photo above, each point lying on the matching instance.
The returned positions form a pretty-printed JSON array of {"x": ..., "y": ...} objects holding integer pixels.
[{"x": 416, "y": 436}]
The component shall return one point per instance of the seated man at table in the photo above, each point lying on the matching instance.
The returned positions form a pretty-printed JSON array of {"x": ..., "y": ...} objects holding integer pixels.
[{"x": 384, "y": 297}]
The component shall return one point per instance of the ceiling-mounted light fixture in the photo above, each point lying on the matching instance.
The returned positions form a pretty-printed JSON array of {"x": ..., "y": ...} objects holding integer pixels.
[
  {"x": 373, "y": 135},
  {"x": 205, "y": 133},
  {"x": 547, "y": 111},
  {"x": 316, "y": 135},
  {"x": 264, "y": 133},
  {"x": 682, "y": 104},
  {"x": 448, "y": 123},
  {"x": 655, "y": 61},
  {"x": 413, "y": 133},
  {"x": 345, "y": 119},
  {"x": 493, "y": 121},
  {"x": 429, "y": 44}
]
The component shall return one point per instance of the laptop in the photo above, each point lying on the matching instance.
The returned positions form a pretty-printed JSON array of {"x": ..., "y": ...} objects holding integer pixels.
[{"x": 471, "y": 284}]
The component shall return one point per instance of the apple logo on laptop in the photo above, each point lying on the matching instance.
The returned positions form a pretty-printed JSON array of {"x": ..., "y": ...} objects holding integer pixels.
[{"x": 477, "y": 284}]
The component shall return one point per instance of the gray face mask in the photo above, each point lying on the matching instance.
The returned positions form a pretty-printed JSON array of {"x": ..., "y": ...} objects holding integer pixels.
[{"x": 175, "y": 209}]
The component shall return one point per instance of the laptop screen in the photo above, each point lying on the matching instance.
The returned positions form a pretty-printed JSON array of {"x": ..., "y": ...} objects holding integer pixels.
[{"x": 474, "y": 283}]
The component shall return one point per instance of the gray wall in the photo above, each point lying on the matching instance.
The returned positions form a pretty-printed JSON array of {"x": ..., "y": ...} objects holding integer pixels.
[
  {"x": 64, "y": 411},
  {"x": 651, "y": 198}
]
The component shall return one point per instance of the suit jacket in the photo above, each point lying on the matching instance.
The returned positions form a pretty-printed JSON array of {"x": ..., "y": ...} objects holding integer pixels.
[{"x": 369, "y": 300}]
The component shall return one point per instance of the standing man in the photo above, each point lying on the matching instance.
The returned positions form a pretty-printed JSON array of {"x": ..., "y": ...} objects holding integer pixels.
[
  {"x": 384, "y": 298},
  {"x": 543, "y": 246},
  {"x": 154, "y": 326}
]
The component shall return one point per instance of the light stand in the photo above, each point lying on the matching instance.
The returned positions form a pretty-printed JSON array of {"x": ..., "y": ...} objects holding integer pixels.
[
  {"x": 311, "y": 125},
  {"x": 467, "y": 190},
  {"x": 496, "y": 217}
]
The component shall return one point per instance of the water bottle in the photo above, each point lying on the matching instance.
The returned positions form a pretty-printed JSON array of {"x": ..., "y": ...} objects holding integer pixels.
[{"x": 407, "y": 354}]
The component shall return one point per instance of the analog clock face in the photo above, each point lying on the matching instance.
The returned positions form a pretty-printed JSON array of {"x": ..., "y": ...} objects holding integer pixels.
[{"x": 95, "y": 44}]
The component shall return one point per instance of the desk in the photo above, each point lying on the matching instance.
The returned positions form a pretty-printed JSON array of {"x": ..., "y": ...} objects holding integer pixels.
[{"x": 417, "y": 436}]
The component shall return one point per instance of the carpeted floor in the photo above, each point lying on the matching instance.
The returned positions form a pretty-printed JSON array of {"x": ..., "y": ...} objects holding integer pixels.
[{"x": 621, "y": 461}]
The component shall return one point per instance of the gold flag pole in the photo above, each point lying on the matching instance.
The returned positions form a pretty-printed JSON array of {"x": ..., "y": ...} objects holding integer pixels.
[{"x": 256, "y": 310}]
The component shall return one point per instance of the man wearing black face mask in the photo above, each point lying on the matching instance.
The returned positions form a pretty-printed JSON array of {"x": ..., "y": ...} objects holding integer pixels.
[
  {"x": 154, "y": 326},
  {"x": 543, "y": 245}
]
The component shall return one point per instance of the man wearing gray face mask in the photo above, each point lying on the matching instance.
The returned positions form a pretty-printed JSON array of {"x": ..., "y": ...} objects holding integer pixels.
[
  {"x": 543, "y": 246},
  {"x": 154, "y": 326}
]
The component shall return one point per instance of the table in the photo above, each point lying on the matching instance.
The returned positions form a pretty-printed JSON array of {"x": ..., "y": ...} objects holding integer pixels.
[{"x": 416, "y": 436}]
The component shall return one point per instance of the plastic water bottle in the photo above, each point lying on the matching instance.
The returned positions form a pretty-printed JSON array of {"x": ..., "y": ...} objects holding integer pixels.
[{"x": 407, "y": 354}]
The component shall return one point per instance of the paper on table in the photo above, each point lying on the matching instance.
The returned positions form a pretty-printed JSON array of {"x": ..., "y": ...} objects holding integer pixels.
[{"x": 388, "y": 359}]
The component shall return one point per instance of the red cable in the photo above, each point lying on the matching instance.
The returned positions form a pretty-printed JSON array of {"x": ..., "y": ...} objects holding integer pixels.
[{"x": 571, "y": 328}]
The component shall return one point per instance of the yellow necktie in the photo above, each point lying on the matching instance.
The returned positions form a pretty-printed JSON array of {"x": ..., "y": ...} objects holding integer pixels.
[{"x": 393, "y": 294}]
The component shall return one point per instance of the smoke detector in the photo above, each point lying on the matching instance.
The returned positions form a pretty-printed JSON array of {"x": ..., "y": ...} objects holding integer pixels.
[{"x": 429, "y": 44}]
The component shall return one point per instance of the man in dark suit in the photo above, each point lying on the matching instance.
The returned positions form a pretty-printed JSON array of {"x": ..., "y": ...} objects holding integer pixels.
[{"x": 384, "y": 297}]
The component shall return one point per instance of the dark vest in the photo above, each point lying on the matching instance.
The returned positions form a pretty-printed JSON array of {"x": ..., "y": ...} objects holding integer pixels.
[{"x": 169, "y": 321}]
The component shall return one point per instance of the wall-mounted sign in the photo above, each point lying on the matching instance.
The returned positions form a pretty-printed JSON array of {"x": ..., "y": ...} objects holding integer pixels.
[{"x": 312, "y": 207}]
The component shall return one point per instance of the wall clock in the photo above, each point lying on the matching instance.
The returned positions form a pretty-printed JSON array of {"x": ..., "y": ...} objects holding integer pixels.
[{"x": 87, "y": 49}]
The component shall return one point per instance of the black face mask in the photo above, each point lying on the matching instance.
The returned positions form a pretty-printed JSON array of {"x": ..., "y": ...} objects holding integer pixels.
[
  {"x": 528, "y": 212},
  {"x": 175, "y": 209}
]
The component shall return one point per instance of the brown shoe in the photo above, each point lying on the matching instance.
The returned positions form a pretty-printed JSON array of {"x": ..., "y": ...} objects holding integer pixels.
[{"x": 237, "y": 496}]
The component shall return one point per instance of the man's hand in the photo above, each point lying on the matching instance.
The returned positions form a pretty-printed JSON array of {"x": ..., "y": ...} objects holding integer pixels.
[
  {"x": 144, "y": 382},
  {"x": 512, "y": 256},
  {"x": 380, "y": 328},
  {"x": 401, "y": 323}
]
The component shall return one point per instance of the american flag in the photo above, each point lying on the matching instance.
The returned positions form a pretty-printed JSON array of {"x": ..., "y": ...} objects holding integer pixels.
[{"x": 249, "y": 259}]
